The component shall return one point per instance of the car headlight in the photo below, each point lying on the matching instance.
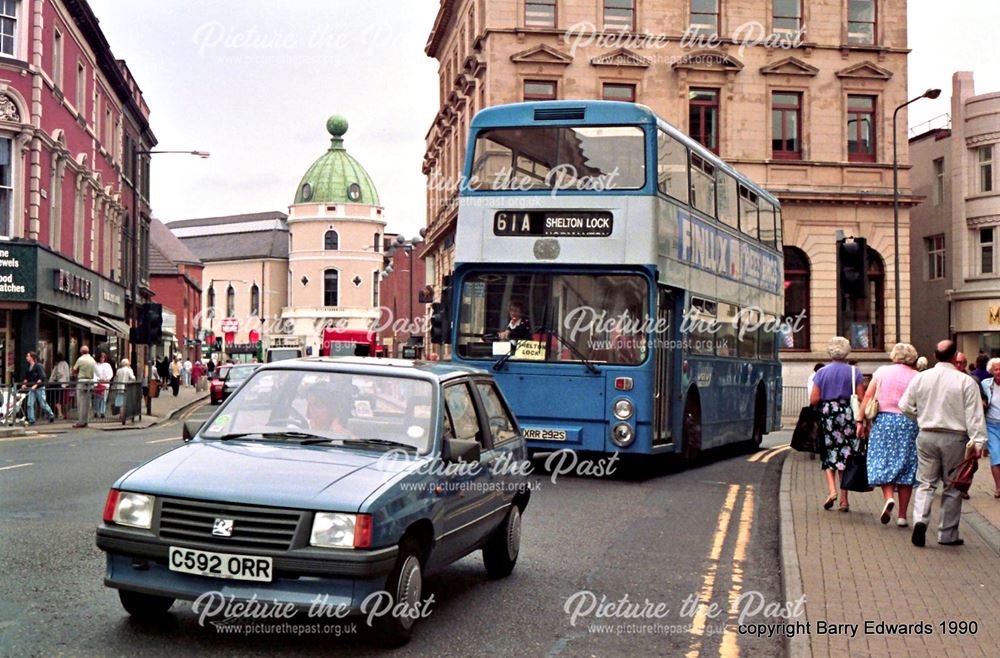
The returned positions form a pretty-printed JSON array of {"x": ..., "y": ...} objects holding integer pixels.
[
  {"x": 133, "y": 509},
  {"x": 622, "y": 435},
  {"x": 622, "y": 409},
  {"x": 336, "y": 530}
]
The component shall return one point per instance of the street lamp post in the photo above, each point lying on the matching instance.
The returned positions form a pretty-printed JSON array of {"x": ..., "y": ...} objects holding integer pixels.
[{"x": 932, "y": 94}]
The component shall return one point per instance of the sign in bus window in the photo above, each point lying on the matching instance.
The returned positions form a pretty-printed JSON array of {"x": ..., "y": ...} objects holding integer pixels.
[
  {"x": 701, "y": 326},
  {"x": 558, "y": 223}
]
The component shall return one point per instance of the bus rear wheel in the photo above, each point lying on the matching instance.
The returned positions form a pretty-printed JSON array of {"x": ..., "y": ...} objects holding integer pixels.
[{"x": 691, "y": 433}]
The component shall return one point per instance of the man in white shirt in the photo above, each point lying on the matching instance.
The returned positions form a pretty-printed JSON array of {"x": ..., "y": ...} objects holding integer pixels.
[
  {"x": 187, "y": 372},
  {"x": 946, "y": 405}
]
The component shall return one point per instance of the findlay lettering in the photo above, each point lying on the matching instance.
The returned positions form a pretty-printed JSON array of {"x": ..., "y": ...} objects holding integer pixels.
[
  {"x": 714, "y": 251},
  {"x": 72, "y": 284}
]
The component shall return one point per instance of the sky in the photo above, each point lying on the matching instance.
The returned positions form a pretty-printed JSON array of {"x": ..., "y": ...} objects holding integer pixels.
[{"x": 254, "y": 87}]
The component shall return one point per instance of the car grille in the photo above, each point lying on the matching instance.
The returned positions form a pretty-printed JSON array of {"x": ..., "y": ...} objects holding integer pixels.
[{"x": 253, "y": 527}]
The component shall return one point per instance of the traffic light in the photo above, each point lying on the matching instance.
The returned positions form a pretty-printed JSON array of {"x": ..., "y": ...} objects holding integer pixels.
[
  {"x": 441, "y": 315},
  {"x": 218, "y": 344},
  {"x": 853, "y": 257},
  {"x": 153, "y": 314}
]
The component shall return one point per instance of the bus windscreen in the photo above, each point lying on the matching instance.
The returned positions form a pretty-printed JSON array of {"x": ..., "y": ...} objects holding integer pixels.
[{"x": 584, "y": 158}]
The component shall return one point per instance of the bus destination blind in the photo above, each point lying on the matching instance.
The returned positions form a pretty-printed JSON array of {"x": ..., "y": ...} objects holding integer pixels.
[{"x": 553, "y": 223}]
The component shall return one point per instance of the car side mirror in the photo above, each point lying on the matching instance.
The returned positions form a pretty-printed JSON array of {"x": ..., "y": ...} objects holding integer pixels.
[
  {"x": 191, "y": 427},
  {"x": 460, "y": 450}
]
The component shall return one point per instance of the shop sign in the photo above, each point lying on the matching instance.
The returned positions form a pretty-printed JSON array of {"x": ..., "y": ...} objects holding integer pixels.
[
  {"x": 72, "y": 284},
  {"x": 230, "y": 325},
  {"x": 111, "y": 299},
  {"x": 18, "y": 264},
  {"x": 993, "y": 315}
]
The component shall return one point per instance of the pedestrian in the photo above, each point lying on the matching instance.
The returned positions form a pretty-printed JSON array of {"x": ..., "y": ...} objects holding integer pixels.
[
  {"x": 834, "y": 384},
  {"x": 962, "y": 363},
  {"x": 84, "y": 369},
  {"x": 123, "y": 377},
  {"x": 186, "y": 372},
  {"x": 34, "y": 382},
  {"x": 947, "y": 407},
  {"x": 991, "y": 386},
  {"x": 197, "y": 372},
  {"x": 922, "y": 364},
  {"x": 103, "y": 374},
  {"x": 175, "y": 374},
  {"x": 60, "y": 375},
  {"x": 982, "y": 372},
  {"x": 892, "y": 437},
  {"x": 810, "y": 381},
  {"x": 210, "y": 368}
]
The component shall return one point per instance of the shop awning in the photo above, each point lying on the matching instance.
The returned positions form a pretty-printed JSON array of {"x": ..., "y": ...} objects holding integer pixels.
[
  {"x": 117, "y": 326},
  {"x": 86, "y": 324}
]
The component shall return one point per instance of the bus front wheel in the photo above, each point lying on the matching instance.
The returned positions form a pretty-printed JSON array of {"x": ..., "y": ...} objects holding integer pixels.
[{"x": 691, "y": 433}]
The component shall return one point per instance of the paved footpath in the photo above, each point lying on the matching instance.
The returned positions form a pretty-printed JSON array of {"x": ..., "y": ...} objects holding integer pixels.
[
  {"x": 163, "y": 407},
  {"x": 853, "y": 570}
]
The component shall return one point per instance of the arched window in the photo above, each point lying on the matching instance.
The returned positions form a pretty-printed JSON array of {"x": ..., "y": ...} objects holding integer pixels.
[
  {"x": 796, "y": 314},
  {"x": 211, "y": 301},
  {"x": 254, "y": 300},
  {"x": 862, "y": 317},
  {"x": 375, "y": 291},
  {"x": 230, "y": 301},
  {"x": 377, "y": 244},
  {"x": 330, "y": 284},
  {"x": 331, "y": 241}
]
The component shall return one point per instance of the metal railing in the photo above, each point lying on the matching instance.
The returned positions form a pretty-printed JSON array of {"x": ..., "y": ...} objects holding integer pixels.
[
  {"x": 793, "y": 398},
  {"x": 77, "y": 402}
]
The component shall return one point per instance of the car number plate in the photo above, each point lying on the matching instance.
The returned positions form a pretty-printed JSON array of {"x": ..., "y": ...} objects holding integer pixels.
[
  {"x": 220, "y": 565},
  {"x": 544, "y": 434}
]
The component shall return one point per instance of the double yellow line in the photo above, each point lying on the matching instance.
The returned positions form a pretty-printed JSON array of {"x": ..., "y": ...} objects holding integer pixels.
[
  {"x": 729, "y": 647},
  {"x": 765, "y": 456}
]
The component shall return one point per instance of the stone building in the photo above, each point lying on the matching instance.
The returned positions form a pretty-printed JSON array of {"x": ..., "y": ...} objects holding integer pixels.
[
  {"x": 955, "y": 269},
  {"x": 798, "y": 95}
]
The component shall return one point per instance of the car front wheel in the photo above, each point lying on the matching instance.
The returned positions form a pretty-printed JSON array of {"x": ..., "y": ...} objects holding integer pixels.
[
  {"x": 405, "y": 584},
  {"x": 144, "y": 606},
  {"x": 500, "y": 554}
]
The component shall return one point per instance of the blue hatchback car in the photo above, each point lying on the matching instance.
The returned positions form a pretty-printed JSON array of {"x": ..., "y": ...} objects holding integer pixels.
[{"x": 324, "y": 480}]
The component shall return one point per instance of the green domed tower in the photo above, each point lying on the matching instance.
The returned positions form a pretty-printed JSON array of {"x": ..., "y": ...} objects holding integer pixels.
[{"x": 336, "y": 177}]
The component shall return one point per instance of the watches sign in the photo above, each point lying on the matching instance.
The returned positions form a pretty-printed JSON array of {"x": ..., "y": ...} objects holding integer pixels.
[{"x": 17, "y": 273}]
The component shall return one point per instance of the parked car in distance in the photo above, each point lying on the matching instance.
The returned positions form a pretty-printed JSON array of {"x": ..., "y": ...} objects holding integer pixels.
[
  {"x": 215, "y": 384},
  {"x": 344, "y": 478},
  {"x": 236, "y": 375}
]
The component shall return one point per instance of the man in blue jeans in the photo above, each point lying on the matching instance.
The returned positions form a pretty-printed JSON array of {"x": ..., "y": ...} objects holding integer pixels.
[{"x": 35, "y": 383}]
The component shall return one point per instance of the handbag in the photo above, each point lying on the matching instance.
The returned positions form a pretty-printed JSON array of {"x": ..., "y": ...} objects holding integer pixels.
[
  {"x": 805, "y": 438},
  {"x": 871, "y": 409},
  {"x": 855, "y": 402},
  {"x": 855, "y": 474},
  {"x": 961, "y": 475}
]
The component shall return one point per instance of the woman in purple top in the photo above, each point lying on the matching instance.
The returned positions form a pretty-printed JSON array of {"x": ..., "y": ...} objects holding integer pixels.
[
  {"x": 892, "y": 438},
  {"x": 833, "y": 386}
]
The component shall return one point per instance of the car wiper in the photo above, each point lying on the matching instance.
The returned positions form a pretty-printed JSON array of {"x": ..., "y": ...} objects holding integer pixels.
[
  {"x": 576, "y": 352},
  {"x": 498, "y": 366},
  {"x": 378, "y": 442},
  {"x": 292, "y": 435},
  {"x": 230, "y": 437}
]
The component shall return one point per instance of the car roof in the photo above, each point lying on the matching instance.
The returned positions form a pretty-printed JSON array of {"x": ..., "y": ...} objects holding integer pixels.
[{"x": 435, "y": 370}]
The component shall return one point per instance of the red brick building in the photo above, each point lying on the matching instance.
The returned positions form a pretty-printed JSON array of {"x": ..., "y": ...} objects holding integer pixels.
[
  {"x": 399, "y": 296},
  {"x": 72, "y": 195},
  {"x": 175, "y": 275}
]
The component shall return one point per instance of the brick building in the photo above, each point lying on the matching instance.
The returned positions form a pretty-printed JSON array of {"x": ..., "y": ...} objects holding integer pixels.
[
  {"x": 67, "y": 209},
  {"x": 175, "y": 276},
  {"x": 808, "y": 114}
]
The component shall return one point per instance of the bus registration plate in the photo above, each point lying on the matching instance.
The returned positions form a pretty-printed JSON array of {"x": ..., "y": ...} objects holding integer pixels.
[
  {"x": 543, "y": 434},
  {"x": 554, "y": 224}
]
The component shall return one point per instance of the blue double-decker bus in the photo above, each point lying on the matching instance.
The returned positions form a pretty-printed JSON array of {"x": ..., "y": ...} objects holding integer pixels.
[{"x": 623, "y": 282}]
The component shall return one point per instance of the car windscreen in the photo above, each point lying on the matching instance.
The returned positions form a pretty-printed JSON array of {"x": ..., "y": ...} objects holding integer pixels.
[
  {"x": 329, "y": 405},
  {"x": 239, "y": 374}
]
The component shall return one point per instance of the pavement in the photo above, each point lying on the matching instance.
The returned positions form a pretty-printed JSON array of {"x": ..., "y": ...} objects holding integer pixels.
[
  {"x": 889, "y": 597},
  {"x": 163, "y": 407}
]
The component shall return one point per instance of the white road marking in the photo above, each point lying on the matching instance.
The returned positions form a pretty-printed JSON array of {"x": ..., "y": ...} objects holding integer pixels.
[
  {"x": 173, "y": 438},
  {"x": 7, "y": 468}
]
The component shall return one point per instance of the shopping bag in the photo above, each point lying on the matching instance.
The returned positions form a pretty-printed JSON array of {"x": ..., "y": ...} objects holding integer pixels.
[
  {"x": 855, "y": 474},
  {"x": 806, "y": 437}
]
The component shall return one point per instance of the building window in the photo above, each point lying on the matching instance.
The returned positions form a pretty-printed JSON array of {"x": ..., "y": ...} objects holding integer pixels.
[
  {"x": 540, "y": 13},
  {"x": 985, "y": 157},
  {"x": 786, "y": 113},
  {"x": 539, "y": 90},
  {"x": 986, "y": 250},
  {"x": 331, "y": 241},
  {"x": 861, "y": 18},
  {"x": 704, "y": 17},
  {"x": 618, "y": 92},
  {"x": 787, "y": 15},
  {"x": 861, "y": 128},
  {"x": 619, "y": 15},
  {"x": 57, "y": 58},
  {"x": 330, "y": 285},
  {"x": 81, "y": 88},
  {"x": 935, "y": 257},
  {"x": 375, "y": 281},
  {"x": 703, "y": 116},
  {"x": 377, "y": 243},
  {"x": 862, "y": 312},
  {"x": 6, "y": 187},
  {"x": 938, "y": 181},
  {"x": 254, "y": 300},
  {"x": 8, "y": 27},
  {"x": 211, "y": 301},
  {"x": 230, "y": 301}
]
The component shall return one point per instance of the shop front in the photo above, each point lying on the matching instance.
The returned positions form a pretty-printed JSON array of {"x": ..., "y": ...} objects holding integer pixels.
[
  {"x": 976, "y": 325},
  {"x": 51, "y": 305}
]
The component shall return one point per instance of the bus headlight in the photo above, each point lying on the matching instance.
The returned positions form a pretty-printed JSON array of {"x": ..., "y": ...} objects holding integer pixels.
[
  {"x": 622, "y": 409},
  {"x": 622, "y": 435}
]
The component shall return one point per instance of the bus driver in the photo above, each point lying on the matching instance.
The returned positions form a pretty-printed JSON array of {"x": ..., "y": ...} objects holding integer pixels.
[{"x": 517, "y": 328}]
